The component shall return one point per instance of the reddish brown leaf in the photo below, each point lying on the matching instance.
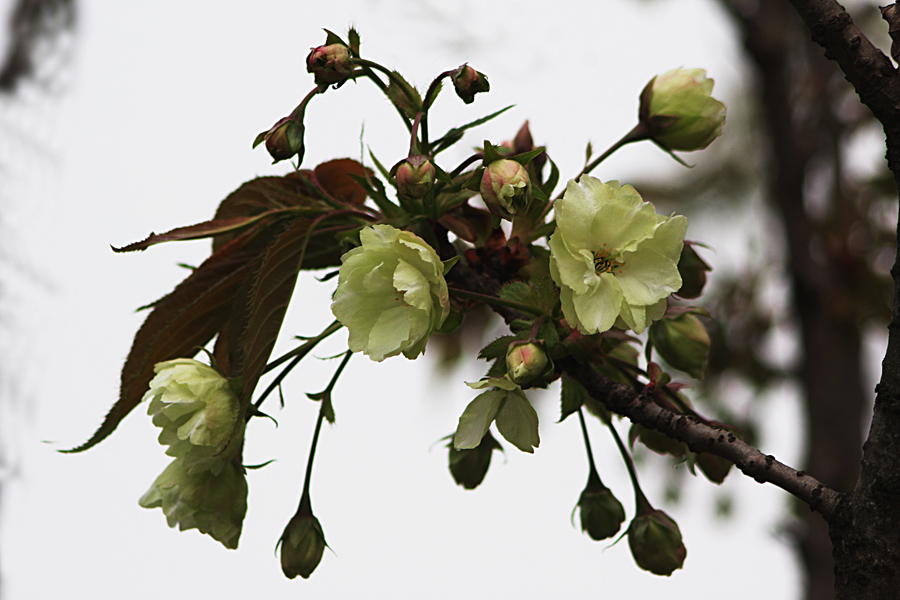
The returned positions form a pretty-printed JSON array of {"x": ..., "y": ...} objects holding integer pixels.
[
  {"x": 264, "y": 194},
  {"x": 269, "y": 295},
  {"x": 182, "y": 322},
  {"x": 333, "y": 177},
  {"x": 198, "y": 231}
]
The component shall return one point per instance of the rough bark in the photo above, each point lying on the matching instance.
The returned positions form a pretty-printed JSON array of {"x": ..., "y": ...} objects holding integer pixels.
[{"x": 797, "y": 143}]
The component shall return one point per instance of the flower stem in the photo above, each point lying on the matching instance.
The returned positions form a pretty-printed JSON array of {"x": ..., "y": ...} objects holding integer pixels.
[
  {"x": 495, "y": 301},
  {"x": 641, "y": 503},
  {"x": 304, "y": 497},
  {"x": 297, "y": 355},
  {"x": 592, "y": 468},
  {"x": 635, "y": 135}
]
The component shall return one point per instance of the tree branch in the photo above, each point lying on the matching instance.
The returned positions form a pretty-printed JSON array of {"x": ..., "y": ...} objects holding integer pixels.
[
  {"x": 702, "y": 437},
  {"x": 698, "y": 435}
]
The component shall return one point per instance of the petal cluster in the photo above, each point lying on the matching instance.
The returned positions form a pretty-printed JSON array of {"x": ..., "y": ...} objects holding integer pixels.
[
  {"x": 614, "y": 259},
  {"x": 391, "y": 293}
]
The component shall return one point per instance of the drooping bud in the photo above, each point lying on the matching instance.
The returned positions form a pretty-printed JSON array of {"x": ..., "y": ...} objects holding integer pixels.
[
  {"x": 302, "y": 544},
  {"x": 468, "y": 82},
  {"x": 284, "y": 140},
  {"x": 526, "y": 361},
  {"x": 601, "y": 513},
  {"x": 415, "y": 177},
  {"x": 683, "y": 342},
  {"x": 468, "y": 467},
  {"x": 505, "y": 187},
  {"x": 329, "y": 64},
  {"x": 678, "y": 110},
  {"x": 655, "y": 542}
]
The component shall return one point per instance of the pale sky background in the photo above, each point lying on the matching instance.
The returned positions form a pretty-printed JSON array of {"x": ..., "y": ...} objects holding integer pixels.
[{"x": 152, "y": 127}]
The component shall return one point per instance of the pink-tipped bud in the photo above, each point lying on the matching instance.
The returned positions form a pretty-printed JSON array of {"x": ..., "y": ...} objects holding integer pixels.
[
  {"x": 415, "y": 177},
  {"x": 505, "y": 187},
  {"x": 468, "y": 82},
  {"x": 525, "y": 361},
  {"x": 329, "y": 64}
]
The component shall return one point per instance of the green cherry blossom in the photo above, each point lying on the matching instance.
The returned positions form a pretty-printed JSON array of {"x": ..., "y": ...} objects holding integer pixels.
[
  {"x": 614, "y": 259},
  {"x": 391, "y": 293},
  {"x": 198, "y": 411},
  {"x": 213, "y": 503}
]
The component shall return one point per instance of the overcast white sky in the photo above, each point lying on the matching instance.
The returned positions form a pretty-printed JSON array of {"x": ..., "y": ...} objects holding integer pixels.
[{"x": 162, "y": 103}]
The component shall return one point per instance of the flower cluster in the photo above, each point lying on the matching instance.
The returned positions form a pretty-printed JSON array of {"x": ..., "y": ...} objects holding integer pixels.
[{"x": 204, "y": 488}]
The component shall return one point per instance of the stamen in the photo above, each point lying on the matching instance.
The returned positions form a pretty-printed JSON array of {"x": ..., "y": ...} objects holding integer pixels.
[{"x": 603, "y": 263}]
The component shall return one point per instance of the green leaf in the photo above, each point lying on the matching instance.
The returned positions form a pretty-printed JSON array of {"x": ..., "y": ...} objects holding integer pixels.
[
  {"x": 477, "y": 418},
  {"x": 404, "y": 96},
  {"x": 260, "y": 138},
  {"x": 517, "y": 421},
  {"x": 526, "y": 157},
  {"x": 572, "y": 398},
  {"x": 333, "y": 38},
  {"x": 381, "y": 169},
  {"x": 552, "y": 180},
  {"x": 497, "y": 348},
  {"x": 538, "y": 193},
  {"x": 491, "y": 154},
  {"x": 353, "y": 37},
  {"x": 442, "y": 175},
  {"x": 448, "y": 264},
  {"x": 327, "y": 407},
  {"x": 520, "y": 292},
  {"x": 376, "y": 191},
  {"x": 455, "y": 134}
]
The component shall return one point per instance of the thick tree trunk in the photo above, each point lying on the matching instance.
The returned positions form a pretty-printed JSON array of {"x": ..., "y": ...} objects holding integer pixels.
[
  {"x": 865, "y": 530},
  {"x": 830, "y": 371}
]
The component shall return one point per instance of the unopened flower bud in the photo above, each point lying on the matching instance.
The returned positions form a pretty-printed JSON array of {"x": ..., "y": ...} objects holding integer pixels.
[
  {"x": 284, "y": 140},
  {"x": 679, "y": 111},
  {"x": 329, "y": 64},
  {"x": 415, "y": 177},
  {"x": 525, "y": 361},
  {"x": 468, "y": 82},
  {"x": 655, "y": 542},
  {"x": 601, "y": 513},
  {"x": 468, "y": 467},
  {"x": 505, "y": 187},
  {"x": 302, "y": 545},
  {"x": 683, "y": 342}
]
